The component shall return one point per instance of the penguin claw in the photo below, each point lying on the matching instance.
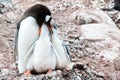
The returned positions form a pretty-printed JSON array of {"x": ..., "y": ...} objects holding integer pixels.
[{"x": 27, "y": 73}]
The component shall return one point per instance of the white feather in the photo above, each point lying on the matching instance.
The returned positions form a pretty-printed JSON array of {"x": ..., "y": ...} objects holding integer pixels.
[
  {"x": 47, "y": 18},
  {"x": 29, "y": 52},
  {"x": 43, "y": 57},
  {"x": 57, "y": 55},
  {"x": 28, "y": 33},
  {"x": 61, "y": 50}
]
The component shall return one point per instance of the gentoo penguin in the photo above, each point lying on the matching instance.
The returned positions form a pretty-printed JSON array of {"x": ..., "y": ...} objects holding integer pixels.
[
  {"x": 28, "y": 30},
  {"x": 62, "y": 51},
  {"x": 43, "y": 57}
]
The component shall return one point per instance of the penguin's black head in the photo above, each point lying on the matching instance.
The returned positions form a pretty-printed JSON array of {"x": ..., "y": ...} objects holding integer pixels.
[{"x": 39, "y": 12}]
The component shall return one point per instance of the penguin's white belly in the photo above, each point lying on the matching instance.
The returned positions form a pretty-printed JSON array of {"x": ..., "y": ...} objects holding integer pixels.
[
  {"x": 28, "y": 33},
  {"x": 43, "y": 57}
]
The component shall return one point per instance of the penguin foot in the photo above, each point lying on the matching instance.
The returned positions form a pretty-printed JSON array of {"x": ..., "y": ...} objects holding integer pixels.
[
  {"x": 49, "y": 71},
  {"x": 27, "y": 73}
]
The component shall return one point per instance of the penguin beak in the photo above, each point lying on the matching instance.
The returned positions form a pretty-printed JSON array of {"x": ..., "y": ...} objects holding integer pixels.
[
  {"x": 39, "y": 31},
  {"x": 50, "y": 30},
  {"x": 47, "y": 22}
]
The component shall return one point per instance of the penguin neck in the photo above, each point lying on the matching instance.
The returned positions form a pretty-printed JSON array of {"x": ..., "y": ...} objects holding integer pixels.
[
  {"x": 55, "y": 32},
  {"x": 44, "y": 32}
]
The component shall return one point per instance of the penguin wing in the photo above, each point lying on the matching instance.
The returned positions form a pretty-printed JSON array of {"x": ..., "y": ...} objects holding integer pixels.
[
  {"x": 57, "y": 55},
  {"x": 15, "y": 46},
  {"x": 30, "y": 51},
  {"x": 66, "y": 50},
  {"x": 16, "y": 39}
]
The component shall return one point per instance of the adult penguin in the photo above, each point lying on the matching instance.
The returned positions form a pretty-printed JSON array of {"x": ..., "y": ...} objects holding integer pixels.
[
  {"x": 28, "y": 31},
  {"x": 64, "y": 59}
]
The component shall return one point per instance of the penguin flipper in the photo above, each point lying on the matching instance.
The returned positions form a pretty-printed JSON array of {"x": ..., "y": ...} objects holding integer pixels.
[
  {"x": 15, "y": 46},
  {"x": 29, "y": 52},
  {"x": 16, "y": 40},
  {"x": 66, "y": 51},
  {"x": 56, "y": 53}
]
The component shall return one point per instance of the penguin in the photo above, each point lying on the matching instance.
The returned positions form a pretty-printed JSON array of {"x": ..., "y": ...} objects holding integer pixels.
[
  {"x": 43, "y": 58},
  {"x": 28, "y": 31},
  {"x": 62, "y": 51}
]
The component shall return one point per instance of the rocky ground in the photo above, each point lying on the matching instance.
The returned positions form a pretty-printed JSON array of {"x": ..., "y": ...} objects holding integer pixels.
[{"x": 92, "y": 36}]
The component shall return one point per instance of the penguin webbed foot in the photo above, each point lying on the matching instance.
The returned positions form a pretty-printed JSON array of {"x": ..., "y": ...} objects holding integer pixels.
[
  {"x": 49, "y": 71},
  {"x": 27, "y": 73}
]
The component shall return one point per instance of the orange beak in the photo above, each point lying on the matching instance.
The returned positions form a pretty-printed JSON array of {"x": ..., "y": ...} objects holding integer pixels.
[
  {"x": 50, "y": 29},
  {"x": 39, "y": 31}
]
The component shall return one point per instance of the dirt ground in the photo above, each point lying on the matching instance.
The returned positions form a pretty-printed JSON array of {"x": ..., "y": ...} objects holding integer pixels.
[{"x": 82, "y": 50}]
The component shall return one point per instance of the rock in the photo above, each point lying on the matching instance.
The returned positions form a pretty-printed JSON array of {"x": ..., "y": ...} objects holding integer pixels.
[
  {"x": 1, "y": 5},
  {"x": 117, "y": 64},
  {"x": 77, "y": 78},
  {"x": 5, "y": 72},
  {"x": 89, "y": 16},
  {"x": 106, "y": 35},
  {"x": 98, "y": 31},
  {"x": 2, "y": 8},
  {"x": 117, "y": 5}
]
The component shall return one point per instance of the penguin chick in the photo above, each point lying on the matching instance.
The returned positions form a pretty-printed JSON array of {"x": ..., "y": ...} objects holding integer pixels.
[
  {"x": 43, "y": 57},
  {"x": 64, "y": 56},
  {"x": 32, "y": 47}
]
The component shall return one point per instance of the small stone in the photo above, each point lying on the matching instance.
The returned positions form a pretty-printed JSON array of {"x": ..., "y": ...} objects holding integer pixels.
[
  {"x": 5, "y": 71},
  {"x": 100, "y": 74},
  {"x": 80, "y": 66},
  {"x": 117, "y": 64},
  {"x": 77, "y": 78}
]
